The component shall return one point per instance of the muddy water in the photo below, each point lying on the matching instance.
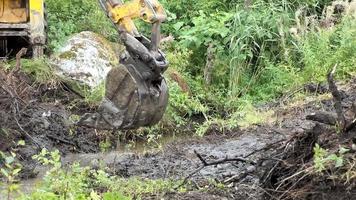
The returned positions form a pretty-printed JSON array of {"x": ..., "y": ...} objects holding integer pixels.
[
  {"x": 174, "y": 160},
  {"x": 141, "y": 145},
  {"x": 177, "y": 158}
]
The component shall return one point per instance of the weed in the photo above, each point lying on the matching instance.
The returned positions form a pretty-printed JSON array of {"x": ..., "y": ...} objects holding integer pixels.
[
  {"x": 39, "y": 70},
  {"x": 9, "y": 170},
  {"x": 76, "y": 182},
  {"x": 323, "y": 159},
  {"x": 94, "y": 96}
]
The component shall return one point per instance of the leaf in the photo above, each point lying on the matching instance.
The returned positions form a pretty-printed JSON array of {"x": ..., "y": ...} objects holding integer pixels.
[
  {"x": 16, "y": 171},
  {"x": 343, "y": 150},
  {"x": 339, "y": 161},
  {"x": 114, "y": 196},
  {"x": 4, "y": 172},
  {"x": 178, "y": 25},
  {"x": 9, "y": 159},
  {"x": 14, "y": 187},
  {"x": 94, "y": 195},
  {"x": 21, "y": 143}
]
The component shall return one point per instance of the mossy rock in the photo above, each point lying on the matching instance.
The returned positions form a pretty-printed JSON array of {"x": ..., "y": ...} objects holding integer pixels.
[{"x": 84, "y": 61}]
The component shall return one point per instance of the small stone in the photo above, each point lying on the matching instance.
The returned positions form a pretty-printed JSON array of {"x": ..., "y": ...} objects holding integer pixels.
[
  {"x": 353, "y": 147},
  {"x": 251, "y": 169}
]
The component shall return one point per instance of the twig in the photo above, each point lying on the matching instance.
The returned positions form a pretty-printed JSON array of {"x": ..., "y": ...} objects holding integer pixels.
[
  {"x": 241, "y": 176},
  {"x": 264, "y": 148},
  {"x": 16, "y": 109},
  {"x": 61, "y": 140},
  {"x": 201, "y": 158},
  {"x": 19, "y": 54},
  {"x": 206, "y": 164},
  {"x": 27, "y": 134},
  {"x": 221, "y": 161},
  {"x": 295, "y": 183},
  {"x": 292, "y": 176}
]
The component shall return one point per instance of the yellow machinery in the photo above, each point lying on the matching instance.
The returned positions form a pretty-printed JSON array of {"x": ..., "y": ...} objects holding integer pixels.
[
  {"x": 136, "y": 92},
  {"x": 22, "y": 24}
]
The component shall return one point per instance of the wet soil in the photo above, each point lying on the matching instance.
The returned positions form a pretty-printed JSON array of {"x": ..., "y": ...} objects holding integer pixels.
[{"x": 48, "y": 123}]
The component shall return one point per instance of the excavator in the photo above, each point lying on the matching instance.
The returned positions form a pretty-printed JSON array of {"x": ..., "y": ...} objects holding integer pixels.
[
  {"x": 136, "y": 93},
  {"x": 22, "y": 24}
]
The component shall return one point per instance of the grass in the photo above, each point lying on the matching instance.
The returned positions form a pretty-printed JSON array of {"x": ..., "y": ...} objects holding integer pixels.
[{"x": 39, "y": 70}]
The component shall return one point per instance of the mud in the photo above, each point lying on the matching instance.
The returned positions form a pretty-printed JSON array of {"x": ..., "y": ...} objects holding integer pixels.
[
  {"x": 26, "y": 114},
  {"x": 47, "y": 121},
  {"x": 177, "y": 159}
]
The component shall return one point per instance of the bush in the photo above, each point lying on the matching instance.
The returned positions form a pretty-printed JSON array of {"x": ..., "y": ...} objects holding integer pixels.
[
  {"x": 322, "y": 50},
  {"x": 67, "y": 17}
]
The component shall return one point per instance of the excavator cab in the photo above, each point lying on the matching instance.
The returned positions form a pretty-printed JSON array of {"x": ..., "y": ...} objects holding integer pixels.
[{"x": 22, "y": 24}]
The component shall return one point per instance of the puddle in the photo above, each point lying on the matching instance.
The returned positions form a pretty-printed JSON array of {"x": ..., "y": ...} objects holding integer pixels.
[{"x": 142, "y": 145}]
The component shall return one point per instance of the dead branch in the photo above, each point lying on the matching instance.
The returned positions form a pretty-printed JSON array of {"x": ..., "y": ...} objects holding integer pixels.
[
  {"x": 214, "y": 163},
  {"x": 240, "y": 176},
  {"x": 270, "y": 146},
  {"x": 52, "y": 137},
  {"x": 19, "y": 55},
  {"x": 337, "y": 98},
  {"x": 350, "y": 126},
  {"x": 9, "y": 85},
  {"x": 329, "y": 118}
]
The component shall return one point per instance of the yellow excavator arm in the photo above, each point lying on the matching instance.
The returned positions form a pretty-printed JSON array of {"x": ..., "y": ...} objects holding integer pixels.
[
  {"x": 151, "y": 11},
  {"x": 136, "y": 93}
]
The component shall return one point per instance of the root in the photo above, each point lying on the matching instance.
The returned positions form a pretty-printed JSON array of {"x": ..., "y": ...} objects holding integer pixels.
[
  {"x": 346, "y": 125},
  {"x": 291, "y": 174},
  {"x": 14, "y": 91},
  {"x": 337, "y": 98},
  {"x": 231, "y": 160},
  {"x": 206, "y": 164}
]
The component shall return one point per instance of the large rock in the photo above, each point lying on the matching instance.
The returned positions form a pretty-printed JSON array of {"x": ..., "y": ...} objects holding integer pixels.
[{"x": 86, "y": 59}]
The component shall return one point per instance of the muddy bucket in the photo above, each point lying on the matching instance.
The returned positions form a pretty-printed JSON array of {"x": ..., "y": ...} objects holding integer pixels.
[{"x": 132, "y": 99}]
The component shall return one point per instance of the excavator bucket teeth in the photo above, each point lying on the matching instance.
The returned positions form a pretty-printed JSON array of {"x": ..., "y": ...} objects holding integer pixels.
[{"x": 130, "y": 101}]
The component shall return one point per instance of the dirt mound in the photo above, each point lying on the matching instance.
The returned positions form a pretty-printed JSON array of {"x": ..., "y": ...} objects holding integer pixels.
[
  {"x": 270, "y": 161},
  {"x": 23, "y": 116},
  {"x": 318, "y": 163}
]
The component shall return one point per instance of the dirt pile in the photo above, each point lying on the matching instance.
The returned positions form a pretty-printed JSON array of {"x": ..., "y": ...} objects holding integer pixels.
[
  {"x": 303, "y": 169},
  {"x": 24, "y": 116},
  {"x": 266, "y": 161}
]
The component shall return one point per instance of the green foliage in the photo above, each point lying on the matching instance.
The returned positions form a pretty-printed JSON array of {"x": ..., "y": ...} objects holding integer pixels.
[
  {"x": 182, "y": 105},
  {"x": 39, "y": 70},
  {"x": 205, "y": 30},
  {"x": 255, "y": 59},
  {"x": 323, "y": 159},
  {"x": 258, "y": 42},
  {"x": 93, "y": 96},
  {"x": 72, "y": 16},
  {"x": 323, "y": 49},
  {"x": 77, "y": 183},
  {"x": 9, "y": 170}
]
